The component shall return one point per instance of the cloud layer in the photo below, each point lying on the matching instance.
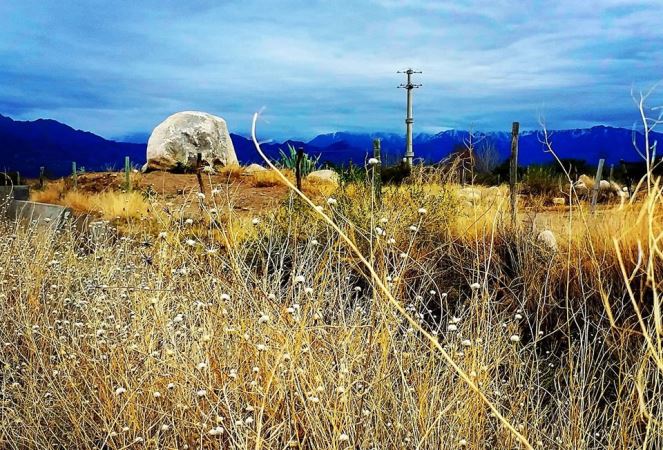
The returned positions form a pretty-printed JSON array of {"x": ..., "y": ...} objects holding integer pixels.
[{"x": 118, "y": 68}]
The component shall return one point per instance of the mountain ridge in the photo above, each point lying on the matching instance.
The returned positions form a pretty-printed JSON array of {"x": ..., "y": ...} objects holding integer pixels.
[{"x": 27, "y": 145}]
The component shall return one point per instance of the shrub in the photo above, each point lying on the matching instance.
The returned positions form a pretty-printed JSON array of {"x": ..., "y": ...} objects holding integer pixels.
[
  {"x": 542, "y": 180},
  {"x": 289, "y": 160}
]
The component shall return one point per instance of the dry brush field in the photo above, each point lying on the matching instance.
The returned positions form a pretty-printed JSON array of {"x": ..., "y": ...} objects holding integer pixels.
[{"x": 431, "y": 322}]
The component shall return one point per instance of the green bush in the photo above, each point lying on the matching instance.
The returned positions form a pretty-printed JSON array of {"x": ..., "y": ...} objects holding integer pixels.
[
  {"x": 542, "y": 180},
  {"x": 289, "y": 160}
]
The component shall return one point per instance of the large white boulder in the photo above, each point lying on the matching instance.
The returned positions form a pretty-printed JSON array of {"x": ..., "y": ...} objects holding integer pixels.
[{"x": 176, "y": 142}]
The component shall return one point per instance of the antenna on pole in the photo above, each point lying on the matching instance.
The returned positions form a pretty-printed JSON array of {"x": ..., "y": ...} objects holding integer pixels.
[{"x": 408, "y": 86}]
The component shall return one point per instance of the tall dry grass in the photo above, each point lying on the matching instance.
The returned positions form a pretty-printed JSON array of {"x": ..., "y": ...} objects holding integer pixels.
[
  {"x": 226, "y": 331},
  {"x": 107, "y": 205}
]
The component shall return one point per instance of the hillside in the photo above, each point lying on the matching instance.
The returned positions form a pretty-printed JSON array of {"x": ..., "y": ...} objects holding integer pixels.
[{"x": 27, "y": 145}]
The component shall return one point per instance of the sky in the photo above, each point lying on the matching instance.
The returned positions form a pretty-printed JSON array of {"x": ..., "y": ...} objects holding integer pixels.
[{"x": 119, "y": 67}]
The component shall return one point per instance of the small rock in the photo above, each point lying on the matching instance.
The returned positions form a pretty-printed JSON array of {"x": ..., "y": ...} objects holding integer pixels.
[
  {"x": 470, "y": 194},
  {"x": 547, "y": 238},
  {"x": 253, "y": 168},
  {"x": 325, "y": 176}
]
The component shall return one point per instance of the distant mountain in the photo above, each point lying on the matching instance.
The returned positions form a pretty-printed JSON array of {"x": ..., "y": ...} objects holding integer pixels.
[
  {"x": 134, "y": 138},
  {"x": 592, "y": 144},
  {"x": 25, "y": 146}
]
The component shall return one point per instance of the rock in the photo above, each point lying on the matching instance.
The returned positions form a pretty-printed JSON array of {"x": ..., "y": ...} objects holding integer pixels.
[
  {"x": 324, "y": 176},
  {"x": 493, "y": 191},
  {"x": 470, "y": 194},
  {"x": 38, "y": 213},
  {"x": 547, "y": 238},
  {"x": 581, "y": 188},
  {"x": 604, "y": 185},
  {"x": 176, "y": 142},
  {"x": 616, "y": 188},
  {"x": 559, "y": 201},
  {"x": 253, "y": 168}
]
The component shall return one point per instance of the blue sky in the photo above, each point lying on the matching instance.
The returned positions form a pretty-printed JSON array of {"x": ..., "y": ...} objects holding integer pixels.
[{"x": 118, "y": 67}]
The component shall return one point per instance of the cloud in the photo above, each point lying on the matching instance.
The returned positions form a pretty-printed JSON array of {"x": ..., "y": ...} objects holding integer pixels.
[{"x": 119, "y": 68}]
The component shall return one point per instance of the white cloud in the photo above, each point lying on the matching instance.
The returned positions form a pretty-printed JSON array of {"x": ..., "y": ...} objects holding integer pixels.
[{"x": 326, "y": 65}]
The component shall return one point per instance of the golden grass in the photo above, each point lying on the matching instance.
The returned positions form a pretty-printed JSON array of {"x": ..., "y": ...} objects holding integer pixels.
[
  {"x": 225, "y": 332},
  {"x": 231, "y": 171},
  {"x": 266, "y": 178},
  {"x": 107, "y": 205},
  {"x": 52, "y": 192}
]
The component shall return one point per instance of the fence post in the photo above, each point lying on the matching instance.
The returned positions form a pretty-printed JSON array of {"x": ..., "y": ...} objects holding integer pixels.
[
  {"x": 377, "y": 171},
  {"x": 42, "y": 169},
  {"x": 74, "y": 174},
  {"x": 127, "y": 173},
  {"x": 298, "y": 167},
  {"x": 513, "y": 171},
  {"x": 199, "y": 177},
  {"x": 612, "y": 171},
  {"x": 597, "y": 184}
]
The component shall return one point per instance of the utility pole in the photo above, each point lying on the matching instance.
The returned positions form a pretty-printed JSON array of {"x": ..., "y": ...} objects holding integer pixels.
[{"x": 409, "y": 154}]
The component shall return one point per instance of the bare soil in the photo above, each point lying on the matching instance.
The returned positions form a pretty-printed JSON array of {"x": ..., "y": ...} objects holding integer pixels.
[{"x": 176, "y": 188}]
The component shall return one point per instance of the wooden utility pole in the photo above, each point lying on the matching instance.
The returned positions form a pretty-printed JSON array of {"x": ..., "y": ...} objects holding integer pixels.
[
  {"x": 298, "y": 167},
  {"x": 513, "y": 171},
  {"x": 376, "y": 170},
  {"x": 597, "y": 185}
]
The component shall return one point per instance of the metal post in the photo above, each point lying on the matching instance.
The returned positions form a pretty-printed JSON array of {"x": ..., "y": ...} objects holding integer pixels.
[
  {"x": 377, "y": 171},
  {"x": 18, "y": 177},
  {"x": 42, "y": 169},
  {"x": 298, "y": 167},
  {"x": 74, "y": 174},
  {"x": 409, "y": 120},
  {"x": 513, "y": 170},
  {"x": 597, "y": 185},
  {"x": 127, "y": 173}
]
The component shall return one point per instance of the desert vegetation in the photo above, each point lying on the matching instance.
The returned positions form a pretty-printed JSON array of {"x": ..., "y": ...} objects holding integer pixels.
[{"x": 424, "y": 319}]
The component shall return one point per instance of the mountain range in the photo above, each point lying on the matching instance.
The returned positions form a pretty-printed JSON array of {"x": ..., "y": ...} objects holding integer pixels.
[{"x": 27, "y": 145}]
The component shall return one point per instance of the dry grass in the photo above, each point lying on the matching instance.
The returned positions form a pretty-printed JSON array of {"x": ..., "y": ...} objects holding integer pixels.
[
  {"x": 267, "y": 178},
  {"x": 228, "y": 332},
  {"x": 231, "y": 171},
  {"x": 53, "y": 193},
  {"x": 108, "y": 205}
]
